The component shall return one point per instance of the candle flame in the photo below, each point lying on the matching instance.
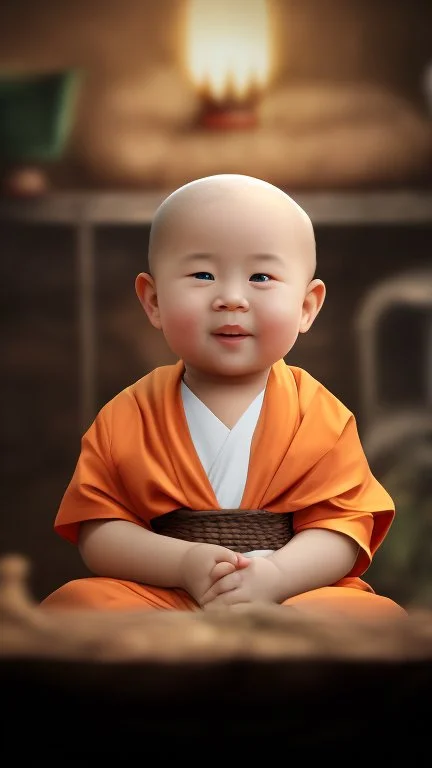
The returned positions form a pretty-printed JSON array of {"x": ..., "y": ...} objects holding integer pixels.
[{"x": 228, "y": 47}]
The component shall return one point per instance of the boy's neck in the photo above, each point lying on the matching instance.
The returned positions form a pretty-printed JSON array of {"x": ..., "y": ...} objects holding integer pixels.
[{"x": 227, "y": 397}]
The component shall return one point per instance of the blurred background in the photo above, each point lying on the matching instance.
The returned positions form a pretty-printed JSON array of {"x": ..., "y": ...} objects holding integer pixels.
[{"x": 105, "y": 107}]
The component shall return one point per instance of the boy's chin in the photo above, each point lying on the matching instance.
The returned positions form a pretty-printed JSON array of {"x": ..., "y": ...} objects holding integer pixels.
[{"x": 229, "y": 372}]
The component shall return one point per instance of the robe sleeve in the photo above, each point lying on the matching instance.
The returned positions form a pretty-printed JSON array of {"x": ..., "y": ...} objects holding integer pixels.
[
  {"x": 95, "y": 491},
  {"x": 357, "y": 504},
  {"x": 357, "y": 526}
]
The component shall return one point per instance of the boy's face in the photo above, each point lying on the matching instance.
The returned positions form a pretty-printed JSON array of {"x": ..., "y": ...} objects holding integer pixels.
[{"x": 231, "y": 278}]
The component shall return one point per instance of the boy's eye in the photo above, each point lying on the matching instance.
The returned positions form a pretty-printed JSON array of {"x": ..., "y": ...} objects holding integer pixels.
[
  {"x": 260, "y": 277},
  {"x": 203, "y": 275}
]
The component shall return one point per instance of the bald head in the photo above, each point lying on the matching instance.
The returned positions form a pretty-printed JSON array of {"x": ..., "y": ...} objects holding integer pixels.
[{"x": 249, "y": 198}]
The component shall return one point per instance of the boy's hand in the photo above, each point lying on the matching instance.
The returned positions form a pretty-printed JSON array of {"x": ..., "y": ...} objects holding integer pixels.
[
  {"x": 261, "y": 581},
  {"x": 204, "y": 564}
]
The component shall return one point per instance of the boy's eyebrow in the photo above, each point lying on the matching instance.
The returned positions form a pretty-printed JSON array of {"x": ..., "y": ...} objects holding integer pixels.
[
  {"x": 268, "y": 257},
  {"x": 197, "y": 256},
  {"x": 253, "y": 257}
]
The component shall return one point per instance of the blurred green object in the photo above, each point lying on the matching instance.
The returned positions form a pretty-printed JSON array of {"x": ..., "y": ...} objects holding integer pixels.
[
  {"x": 401, "y": 568},
  {"x": 36, "y": 115}
]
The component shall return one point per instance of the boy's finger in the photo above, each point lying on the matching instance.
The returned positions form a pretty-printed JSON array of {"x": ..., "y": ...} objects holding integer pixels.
[
  {"x": 226, "y": 556},
  {"x": 242, "y": 561},
  {"x": 220, "y": 570},
  {"x": 221, "y": 586}
]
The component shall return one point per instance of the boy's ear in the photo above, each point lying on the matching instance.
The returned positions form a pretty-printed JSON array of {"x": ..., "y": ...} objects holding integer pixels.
[
  {"x": 314, "y": 299},
  {"x": 146, "y": 291}
]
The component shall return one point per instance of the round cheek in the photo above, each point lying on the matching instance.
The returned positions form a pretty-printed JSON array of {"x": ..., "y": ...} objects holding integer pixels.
[
  {"x": 279, "y": 318},
  {"x": 180, "y": 325},
  {"x": 278, "y": 332}
]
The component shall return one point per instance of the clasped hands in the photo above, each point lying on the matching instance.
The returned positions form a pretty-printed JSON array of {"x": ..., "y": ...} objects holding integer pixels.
[{"x": 216, "y": 576}]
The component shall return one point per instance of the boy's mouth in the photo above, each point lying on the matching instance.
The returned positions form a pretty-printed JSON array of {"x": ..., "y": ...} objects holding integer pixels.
[{"x": 229, "y": 331}]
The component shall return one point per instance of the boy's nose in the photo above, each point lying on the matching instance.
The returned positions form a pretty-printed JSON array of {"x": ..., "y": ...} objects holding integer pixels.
[{"x": 231, "y": 303}]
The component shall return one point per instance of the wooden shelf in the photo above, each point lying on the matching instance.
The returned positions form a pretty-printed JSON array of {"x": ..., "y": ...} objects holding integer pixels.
[{"x": 401, "y": 207}]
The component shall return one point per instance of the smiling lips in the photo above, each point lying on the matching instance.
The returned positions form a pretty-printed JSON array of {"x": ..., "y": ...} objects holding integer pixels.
[
  {"x": 231, "y": 335},
  {"x": 235, "y": 331}
]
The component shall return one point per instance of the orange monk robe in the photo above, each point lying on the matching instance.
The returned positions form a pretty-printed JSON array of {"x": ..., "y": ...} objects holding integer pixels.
[{"x": 138, "y": 461}]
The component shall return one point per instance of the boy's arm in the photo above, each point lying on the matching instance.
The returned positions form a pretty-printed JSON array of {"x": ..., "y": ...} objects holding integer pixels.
[
  {"x": 312, "y": 558},
  {"x": 123, "y": 550}
]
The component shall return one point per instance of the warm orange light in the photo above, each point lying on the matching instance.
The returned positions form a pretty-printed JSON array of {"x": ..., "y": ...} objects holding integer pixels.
[{"x": 228, "y": 48}]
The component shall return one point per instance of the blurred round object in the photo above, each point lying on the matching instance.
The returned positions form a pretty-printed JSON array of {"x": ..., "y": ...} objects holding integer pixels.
[
  {"x": 25, "y": 182},
  {"x": 427, "y": 85}
]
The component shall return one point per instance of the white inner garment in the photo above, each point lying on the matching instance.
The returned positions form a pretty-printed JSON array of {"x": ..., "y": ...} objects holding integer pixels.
[{"x": 223, "y": 452}]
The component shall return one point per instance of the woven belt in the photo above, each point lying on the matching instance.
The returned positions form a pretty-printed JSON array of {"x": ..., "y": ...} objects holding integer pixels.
[{"x": 242, "y": 530}]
